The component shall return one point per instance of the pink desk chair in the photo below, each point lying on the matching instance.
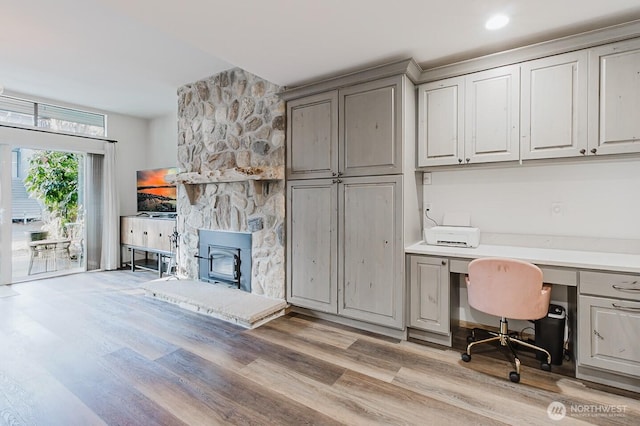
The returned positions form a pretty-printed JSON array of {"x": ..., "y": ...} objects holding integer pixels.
[{"x": 507, "y": 288}]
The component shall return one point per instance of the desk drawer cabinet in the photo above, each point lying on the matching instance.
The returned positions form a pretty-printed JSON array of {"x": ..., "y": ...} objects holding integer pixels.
[
  {"x": 429, "y": 294},
  {"x": 609, "y": 322},
  {"x": 618, "y": 286}
]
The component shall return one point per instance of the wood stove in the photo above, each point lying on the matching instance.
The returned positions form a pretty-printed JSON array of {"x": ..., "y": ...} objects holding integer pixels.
[{"x": 225, "y": 258}]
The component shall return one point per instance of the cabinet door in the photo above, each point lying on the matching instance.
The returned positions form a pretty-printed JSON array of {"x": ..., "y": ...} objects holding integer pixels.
[
  {"x": 158, "y": 233},
  {"x": 492, "y": 115},
  {"x": 614, "y": 98},
  {"x": 608, "y": 334},
  {"x": 441, "y": 122},
  {"x": 429, "y": 294},
  {"x": 554, "y": 106},
  {"x": 312, "y": 136},
  {"x": 133, "y": 231},
  {"x": 312, "y": 244},
  {"x": 370, "y": 251},
  {"x": 370, "y": 138},
  {"x": 126, "y": 230}
]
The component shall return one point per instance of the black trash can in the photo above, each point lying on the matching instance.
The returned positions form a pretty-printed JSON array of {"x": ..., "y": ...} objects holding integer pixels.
[{"x": 549, "y": 334}]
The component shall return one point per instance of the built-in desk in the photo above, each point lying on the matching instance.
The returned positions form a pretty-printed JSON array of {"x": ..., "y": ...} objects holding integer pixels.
[
  {"x": 603, "y": 299},
  {"x": 614, "y": 262}
]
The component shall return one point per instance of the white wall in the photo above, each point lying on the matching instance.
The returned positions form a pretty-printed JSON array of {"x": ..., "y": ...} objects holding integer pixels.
[
  {"x": 596, "y": 199},
  {"x": 142, "y": 144},
  {"x": 163, "y": 141},
  {"x": 132, "y": 151}
]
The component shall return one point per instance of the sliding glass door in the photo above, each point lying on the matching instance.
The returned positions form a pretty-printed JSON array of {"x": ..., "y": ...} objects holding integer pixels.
[
  {"x": 5, "y": 216},
  {"x": 42, "y": 201}
]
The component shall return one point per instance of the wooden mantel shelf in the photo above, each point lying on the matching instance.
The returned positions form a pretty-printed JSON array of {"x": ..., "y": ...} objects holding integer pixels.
[
  {"x": 236, "y": 174},
  {"x": 255, "y": 175}
]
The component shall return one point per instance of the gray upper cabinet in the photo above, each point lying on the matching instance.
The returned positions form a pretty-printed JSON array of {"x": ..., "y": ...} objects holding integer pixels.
[
  {"x": 575, "y": 104},
  {"x": 614, "y": 98},
  {"x": 312, "y": 136},
  {"x": 354, "y": 131},
  {"x": 554, "y": 106},
  {"x": 441, "y": 122},
  {"x": 492, "y": 119},
  {"x": 470, "y": 119},
  {"x": 370, "y": 117}
]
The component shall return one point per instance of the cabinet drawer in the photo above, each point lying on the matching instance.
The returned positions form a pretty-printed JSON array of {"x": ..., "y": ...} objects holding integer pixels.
[
  {"x": 619, "y": 286},
  {"x": 550, "y": 275},
  {"x": 608, "y": 334}
]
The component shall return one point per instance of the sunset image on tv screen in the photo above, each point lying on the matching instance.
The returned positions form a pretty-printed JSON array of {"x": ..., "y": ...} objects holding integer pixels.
[{"x": 154, "y": 193}]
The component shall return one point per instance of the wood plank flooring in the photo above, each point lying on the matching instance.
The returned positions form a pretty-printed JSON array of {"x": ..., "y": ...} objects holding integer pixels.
[{"x": 91, "y": 349}]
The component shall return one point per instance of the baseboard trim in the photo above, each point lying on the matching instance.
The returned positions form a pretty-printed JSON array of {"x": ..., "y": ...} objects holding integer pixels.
[
  {"x": 360, "y": 325},
  {"x": 604, "y": 377}
]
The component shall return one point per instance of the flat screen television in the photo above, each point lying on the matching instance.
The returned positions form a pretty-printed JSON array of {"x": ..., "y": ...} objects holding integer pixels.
[{"x": 155, "y": 195}]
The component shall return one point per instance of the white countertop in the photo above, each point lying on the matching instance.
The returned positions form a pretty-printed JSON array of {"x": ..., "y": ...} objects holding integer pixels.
[{"x": 617, "y": 262}]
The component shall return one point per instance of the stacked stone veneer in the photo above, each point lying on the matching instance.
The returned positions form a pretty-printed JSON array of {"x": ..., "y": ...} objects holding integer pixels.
[{"x": 233, "y": 119}]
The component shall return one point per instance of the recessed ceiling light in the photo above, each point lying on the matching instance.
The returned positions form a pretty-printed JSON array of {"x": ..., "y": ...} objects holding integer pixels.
[{"x": 496, "y": 22}]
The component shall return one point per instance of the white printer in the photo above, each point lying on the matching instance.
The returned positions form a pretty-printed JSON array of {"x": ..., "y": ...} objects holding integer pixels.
[
  {"x": 456, "y": 231},
  {"x": 456, "y": 236}
]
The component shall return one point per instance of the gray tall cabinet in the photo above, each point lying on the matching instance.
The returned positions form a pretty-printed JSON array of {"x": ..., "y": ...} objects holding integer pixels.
[{"x": 350, "y": 162}]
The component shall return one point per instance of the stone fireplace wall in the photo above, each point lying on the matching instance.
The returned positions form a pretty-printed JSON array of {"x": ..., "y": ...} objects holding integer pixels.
[{"x": 233, "y": 119}]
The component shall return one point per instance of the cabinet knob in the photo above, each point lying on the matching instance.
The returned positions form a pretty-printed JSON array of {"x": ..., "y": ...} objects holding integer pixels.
[
  {"x": 131, "y": 231},
  {"x": 334, "y": 174},
  {"x": 444, "y": 262},
  {"x": 460, "y": 160},
  {"x": 583, "y": 151},
  {"x": 467, "y": 160},
  {"x": 340, "y": 174},
  {"x": 593, "y": 150},
  {"x": 337, "y": 181}
]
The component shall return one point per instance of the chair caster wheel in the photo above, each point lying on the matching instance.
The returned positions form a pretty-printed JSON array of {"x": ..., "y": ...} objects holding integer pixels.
[
  {"x": 546, "y": 367},
  {"x": 465, "y": 357},
  {"x": 514, "y": 377},
  {"x": 470, "y": 339}
]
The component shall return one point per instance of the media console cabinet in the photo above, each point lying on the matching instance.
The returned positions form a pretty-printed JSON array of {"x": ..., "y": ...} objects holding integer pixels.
[{"x": 148, "y": 235}]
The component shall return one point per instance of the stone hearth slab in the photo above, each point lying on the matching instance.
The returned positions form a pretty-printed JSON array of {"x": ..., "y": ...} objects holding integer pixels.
[{"x": 229, "y": 304}]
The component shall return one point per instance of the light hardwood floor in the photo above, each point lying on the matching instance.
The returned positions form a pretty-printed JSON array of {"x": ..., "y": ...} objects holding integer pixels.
[{"x": 91, "y": 349}]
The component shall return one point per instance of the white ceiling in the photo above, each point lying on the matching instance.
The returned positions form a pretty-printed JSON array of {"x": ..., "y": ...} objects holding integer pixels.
[{"x": 130, "y": 56}]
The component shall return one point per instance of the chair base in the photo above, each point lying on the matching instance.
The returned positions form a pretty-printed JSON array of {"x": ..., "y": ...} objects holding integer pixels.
[{"x": 509, "y": 340}]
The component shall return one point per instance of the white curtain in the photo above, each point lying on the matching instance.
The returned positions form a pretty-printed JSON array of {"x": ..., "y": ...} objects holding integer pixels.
[{"x": 111, "y": 225}]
